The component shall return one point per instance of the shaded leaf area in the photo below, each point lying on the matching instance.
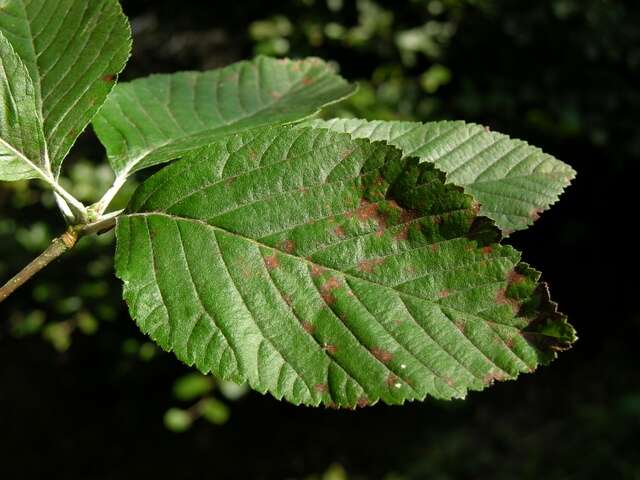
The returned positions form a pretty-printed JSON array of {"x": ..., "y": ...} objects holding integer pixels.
[
  {"x": 21, "y": 138},
  {"x": 329, "y": 270},
  {"x": 513, "y": 181},
  {"x": 73, "y": 51},
  {"x": 159, "y": 118}
]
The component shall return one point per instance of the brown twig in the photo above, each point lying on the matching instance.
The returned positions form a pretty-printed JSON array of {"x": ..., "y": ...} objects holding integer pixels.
[{"x": 58, "y": 246}]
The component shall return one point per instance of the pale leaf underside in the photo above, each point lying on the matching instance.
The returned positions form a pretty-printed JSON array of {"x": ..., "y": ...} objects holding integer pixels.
[
  {"x": 156, "y": 119},
  {"x": 73, "y": 50},
  {"x": 513, "y": 181},
  {"x": 328, "y": 270},
  {"x": 21, "y": 140}
]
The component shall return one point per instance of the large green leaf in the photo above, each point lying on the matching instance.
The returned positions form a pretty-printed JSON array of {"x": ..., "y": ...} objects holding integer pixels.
[
  {"x": 513, "y": 181},
  {"x": 21, "y": 140},
  {"x": 156, "y": 119},
  {"x": 73, "y": 50},
  {"x": 329, "y": 270}
]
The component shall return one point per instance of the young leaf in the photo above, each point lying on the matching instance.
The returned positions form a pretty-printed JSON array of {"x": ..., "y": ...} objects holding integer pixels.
[
  {"x": 73, "y": 50},
  {"x": 156, "y": 119},
  {"x": 329, "y": 270},
  {"x": 21, "y": 140},
  {"x": 513, "y": 181}
]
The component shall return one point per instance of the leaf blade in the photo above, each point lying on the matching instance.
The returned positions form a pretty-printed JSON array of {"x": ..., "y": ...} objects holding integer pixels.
[
  {"x": 513, "y": 181},
  {"x": 156, "y": 119},
  {"x": 309, "y": 265},
  {"x": 21, "y": 137},
  {"x": 73, "y": 51}
]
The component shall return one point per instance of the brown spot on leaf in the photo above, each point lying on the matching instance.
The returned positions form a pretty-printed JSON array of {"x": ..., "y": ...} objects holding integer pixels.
[
  {"x": 253, "y": 154},
  {"x": 321, "y": 387},
  {"x": 362, "y": 402},
  {"x": 475, "y": 207},
  {"x": 435, "y": 247},
  {"x": 371, "y": 211},
  {"x": 449, "y": 381},
  {"x": 330, "y": 348},
  {"x": 487, "y": 250},
  {"x": 535, "y": 214},
  {"x": 287, "y": 246},
  {"x": 444, "y": 293},
  {"x": 109, "y": 77},
  {"x": 503, "y": 299},
  {"x": 339, "y": 231},
  {"x": 307, "y": 81},
  {"x": 316, "y": 270},
  {"x": 327, "y": 288},
  {"x": 408, "y": 215},
  {"x": 514, "y": 277},
  {"x": 308, "y": 327},
  {"x": 403, "y": 234},
  {"x": 392, "y": 380},
  {"x": 494, "y": 376},
  {"x": 383, "y": 355},
  {"x": 271, "y": 262},
  {"x": 275, "y": 95},
  {"x": 368, "y": 265},
  {"x": 287, "y": 299},
  {"x": 328, "y": 298},
  {"x": 437, "y": 219},
  {"x": 367, "y": 210}
]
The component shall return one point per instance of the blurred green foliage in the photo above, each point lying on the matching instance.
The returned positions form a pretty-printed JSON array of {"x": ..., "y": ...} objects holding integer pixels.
[
  {"x": 561, "y": 73},
  {"x": 199, "y": 390}
]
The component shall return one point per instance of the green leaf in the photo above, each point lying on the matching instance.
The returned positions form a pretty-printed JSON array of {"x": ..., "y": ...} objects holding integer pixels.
[
  {"x": 513, "y": 181},
  {"x": 21, "y": 140},
  {"x": 329, "y": 270},
  {"x": 73, "y": 51},
  {"x": 156, "y": 119}
]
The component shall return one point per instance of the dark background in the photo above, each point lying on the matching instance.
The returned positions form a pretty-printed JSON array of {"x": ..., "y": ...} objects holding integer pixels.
[{"x": 82, "y": 395}]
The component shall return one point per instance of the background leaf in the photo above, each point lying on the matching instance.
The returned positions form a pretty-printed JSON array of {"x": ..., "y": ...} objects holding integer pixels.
[
  {"x": 156, "y": 119},
  {"x": 513, "y": 181},
  {"x": 21, "y": 139},
  {"x": 329, "y": 270},
  {"x": 73, "y": 50}
]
